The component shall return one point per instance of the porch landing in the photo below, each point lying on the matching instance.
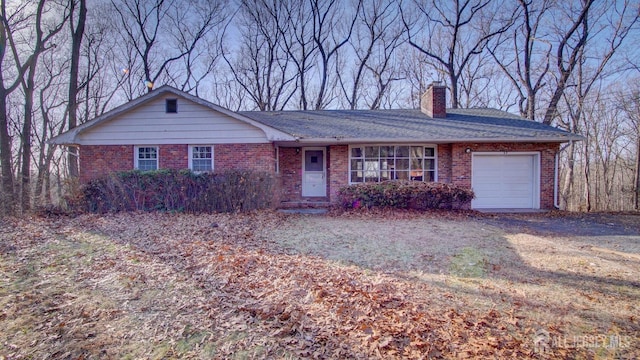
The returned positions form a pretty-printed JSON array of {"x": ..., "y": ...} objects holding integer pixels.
[
  {"x": 304, "y": 211},
  {"x": 308, "y": 207},
  {"x": 305, "y": 204}
]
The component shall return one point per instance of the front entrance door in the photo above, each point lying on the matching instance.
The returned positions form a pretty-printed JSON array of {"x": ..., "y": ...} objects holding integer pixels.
[{"x": 314, "y": 179}]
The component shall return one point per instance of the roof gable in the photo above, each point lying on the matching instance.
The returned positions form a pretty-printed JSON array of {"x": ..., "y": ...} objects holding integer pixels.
[{"x": 91, "y": 132}]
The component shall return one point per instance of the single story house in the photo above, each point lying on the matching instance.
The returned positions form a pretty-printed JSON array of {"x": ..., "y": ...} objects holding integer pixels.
[{"x": 508, "y": 161}]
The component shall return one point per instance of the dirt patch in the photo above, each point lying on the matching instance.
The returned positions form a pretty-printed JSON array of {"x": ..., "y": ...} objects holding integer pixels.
[{"x": 268, "y": 285}]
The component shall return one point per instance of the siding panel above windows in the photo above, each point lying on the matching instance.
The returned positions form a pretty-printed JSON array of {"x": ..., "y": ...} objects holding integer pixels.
[{"x": 193, "y": 123}]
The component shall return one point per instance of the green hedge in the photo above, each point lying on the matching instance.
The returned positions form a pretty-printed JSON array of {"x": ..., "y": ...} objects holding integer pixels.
[
  {"x": 406, "y": 195},
  {"x": 179, "y": 190}
]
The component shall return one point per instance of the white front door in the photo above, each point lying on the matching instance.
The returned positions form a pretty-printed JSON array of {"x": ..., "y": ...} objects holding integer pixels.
[{"x": 314, "y": 180}]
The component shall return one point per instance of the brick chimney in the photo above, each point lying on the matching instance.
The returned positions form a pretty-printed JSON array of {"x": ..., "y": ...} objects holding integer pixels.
[{"x": 434, "y": 101}]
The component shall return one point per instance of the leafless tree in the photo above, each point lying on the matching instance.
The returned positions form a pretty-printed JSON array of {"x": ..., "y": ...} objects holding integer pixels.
[
  {"x": 374, "y": 45},
  {"x": 10, "y": 79},
  {"x": 452, "y": 34},
  {"x": 609, "y": 22},
  {"x": 26, "y": 45},
  {"x": 77, "y": 34},
  {"x": 299, "y": 45},
  {"x": 589, "y": 64},
  {"x": 101, "y": 76},
  {"x": 261, "y": 64},
  {"x": 524, "y": 57},
  {"x": 630, "y": 104},
  {"x": 160, "y": 32},
  {"x": 333, "y": 25},
  {"x": 53, "y": 113}
]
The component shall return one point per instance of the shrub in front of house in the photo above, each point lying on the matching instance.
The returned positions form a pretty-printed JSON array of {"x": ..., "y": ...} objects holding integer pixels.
[
  {"x": 179, "y": 190},
  {"x": 406, "y": 195}
]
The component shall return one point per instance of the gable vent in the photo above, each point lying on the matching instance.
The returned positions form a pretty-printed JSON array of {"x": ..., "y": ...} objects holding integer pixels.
[{"x": 171, "y": 106}]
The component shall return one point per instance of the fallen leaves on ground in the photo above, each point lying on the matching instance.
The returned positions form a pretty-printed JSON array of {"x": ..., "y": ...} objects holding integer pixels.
[{"x": 158, "y": 285}]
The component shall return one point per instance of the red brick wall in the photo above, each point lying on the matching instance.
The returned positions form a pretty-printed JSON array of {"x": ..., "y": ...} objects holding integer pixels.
[
  {"x": 291, "y": 174},
  {"x": 434, "y": 101},
  {"x": 443, "y": 152},
  {"x": 461, "y": 164},
  {"x": 98, "y": 160},
  {"x": 174, "y": 156},
  {"x": 258, "y": 157},
  {"x": 454, "y": 164},
  {"x": 338, "y": 170}
]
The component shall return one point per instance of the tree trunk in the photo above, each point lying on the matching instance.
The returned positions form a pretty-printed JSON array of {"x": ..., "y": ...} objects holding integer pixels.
[
  {"x": 76, "y": 38},
  {"x": 636, "y": 193},
  {"x": 8, "y": 199},
  {"x": 586, "y": 170},
  {"x": 567, "y": 188},
  {"x": 25, "y": 188},
  {"x": 454, "y": 88}
]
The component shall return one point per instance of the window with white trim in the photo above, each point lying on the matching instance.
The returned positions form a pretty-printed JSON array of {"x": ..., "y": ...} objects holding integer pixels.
[
  {"x": 201, "y": 158},
  {"x": 146, "y": 158},
  {"x": 375, "y": 163}
]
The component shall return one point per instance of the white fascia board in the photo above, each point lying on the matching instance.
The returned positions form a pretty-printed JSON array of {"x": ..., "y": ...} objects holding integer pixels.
[
  {"x": 333, "y": 141},
  {"x": 71, "y": 137},
  {"x": 271, "y": 133}
]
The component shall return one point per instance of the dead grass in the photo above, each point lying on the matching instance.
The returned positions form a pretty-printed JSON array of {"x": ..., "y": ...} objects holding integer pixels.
[{"x": 266, "y": 285}]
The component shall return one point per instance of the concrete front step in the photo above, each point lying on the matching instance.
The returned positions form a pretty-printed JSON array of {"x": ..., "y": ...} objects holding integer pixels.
[
  {"x": 304, "y": 211},
  {"x": 304, "y": 205}
]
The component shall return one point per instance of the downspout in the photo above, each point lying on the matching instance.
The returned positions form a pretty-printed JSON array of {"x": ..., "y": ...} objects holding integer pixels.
[
  {"x": 555, "y": 182},
  {"x": 556, "y": 174}
]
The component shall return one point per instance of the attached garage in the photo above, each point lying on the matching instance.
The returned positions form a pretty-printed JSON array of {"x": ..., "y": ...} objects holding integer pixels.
[{"x": 506, "y": 180}]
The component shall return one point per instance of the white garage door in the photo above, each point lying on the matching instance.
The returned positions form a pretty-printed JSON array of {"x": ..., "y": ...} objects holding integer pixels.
[{"x": 504, "y": 181}]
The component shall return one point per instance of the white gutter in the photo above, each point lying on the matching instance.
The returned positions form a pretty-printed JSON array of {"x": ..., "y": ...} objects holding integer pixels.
[{"x": 338, "y": 140}]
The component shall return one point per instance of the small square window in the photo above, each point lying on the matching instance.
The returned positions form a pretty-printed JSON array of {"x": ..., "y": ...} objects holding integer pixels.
[{"x": 172, "y": 106}]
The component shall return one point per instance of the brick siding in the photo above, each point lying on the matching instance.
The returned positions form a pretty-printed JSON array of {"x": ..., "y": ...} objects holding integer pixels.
[
  {"x": 173, "y": 156},
  {"x": 454, "y": 164},
  {"x": 258, "y": 157},
  {"x": 434, "y": 101},
  {"x": 338, "y": 170},
  {"x": 291, "y": 173},
  {"x": 444, "y": 163},
  {"x": 99, "y": 160},
  {"x": 461, "y": 163}
]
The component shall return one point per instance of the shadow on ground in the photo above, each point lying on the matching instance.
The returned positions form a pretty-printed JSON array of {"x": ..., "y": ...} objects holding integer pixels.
[{"x": 566, "y": 223}]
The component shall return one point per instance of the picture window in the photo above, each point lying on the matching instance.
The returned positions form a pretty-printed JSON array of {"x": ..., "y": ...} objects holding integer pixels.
[{"x": 384, "y": 163}]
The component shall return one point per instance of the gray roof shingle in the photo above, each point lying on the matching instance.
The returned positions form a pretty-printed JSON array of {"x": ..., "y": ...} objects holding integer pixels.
[{"x": 460, "y": 125}]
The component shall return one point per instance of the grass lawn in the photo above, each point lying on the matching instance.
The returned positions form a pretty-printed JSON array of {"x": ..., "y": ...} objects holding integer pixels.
[{"x": 269, "y": 285}]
